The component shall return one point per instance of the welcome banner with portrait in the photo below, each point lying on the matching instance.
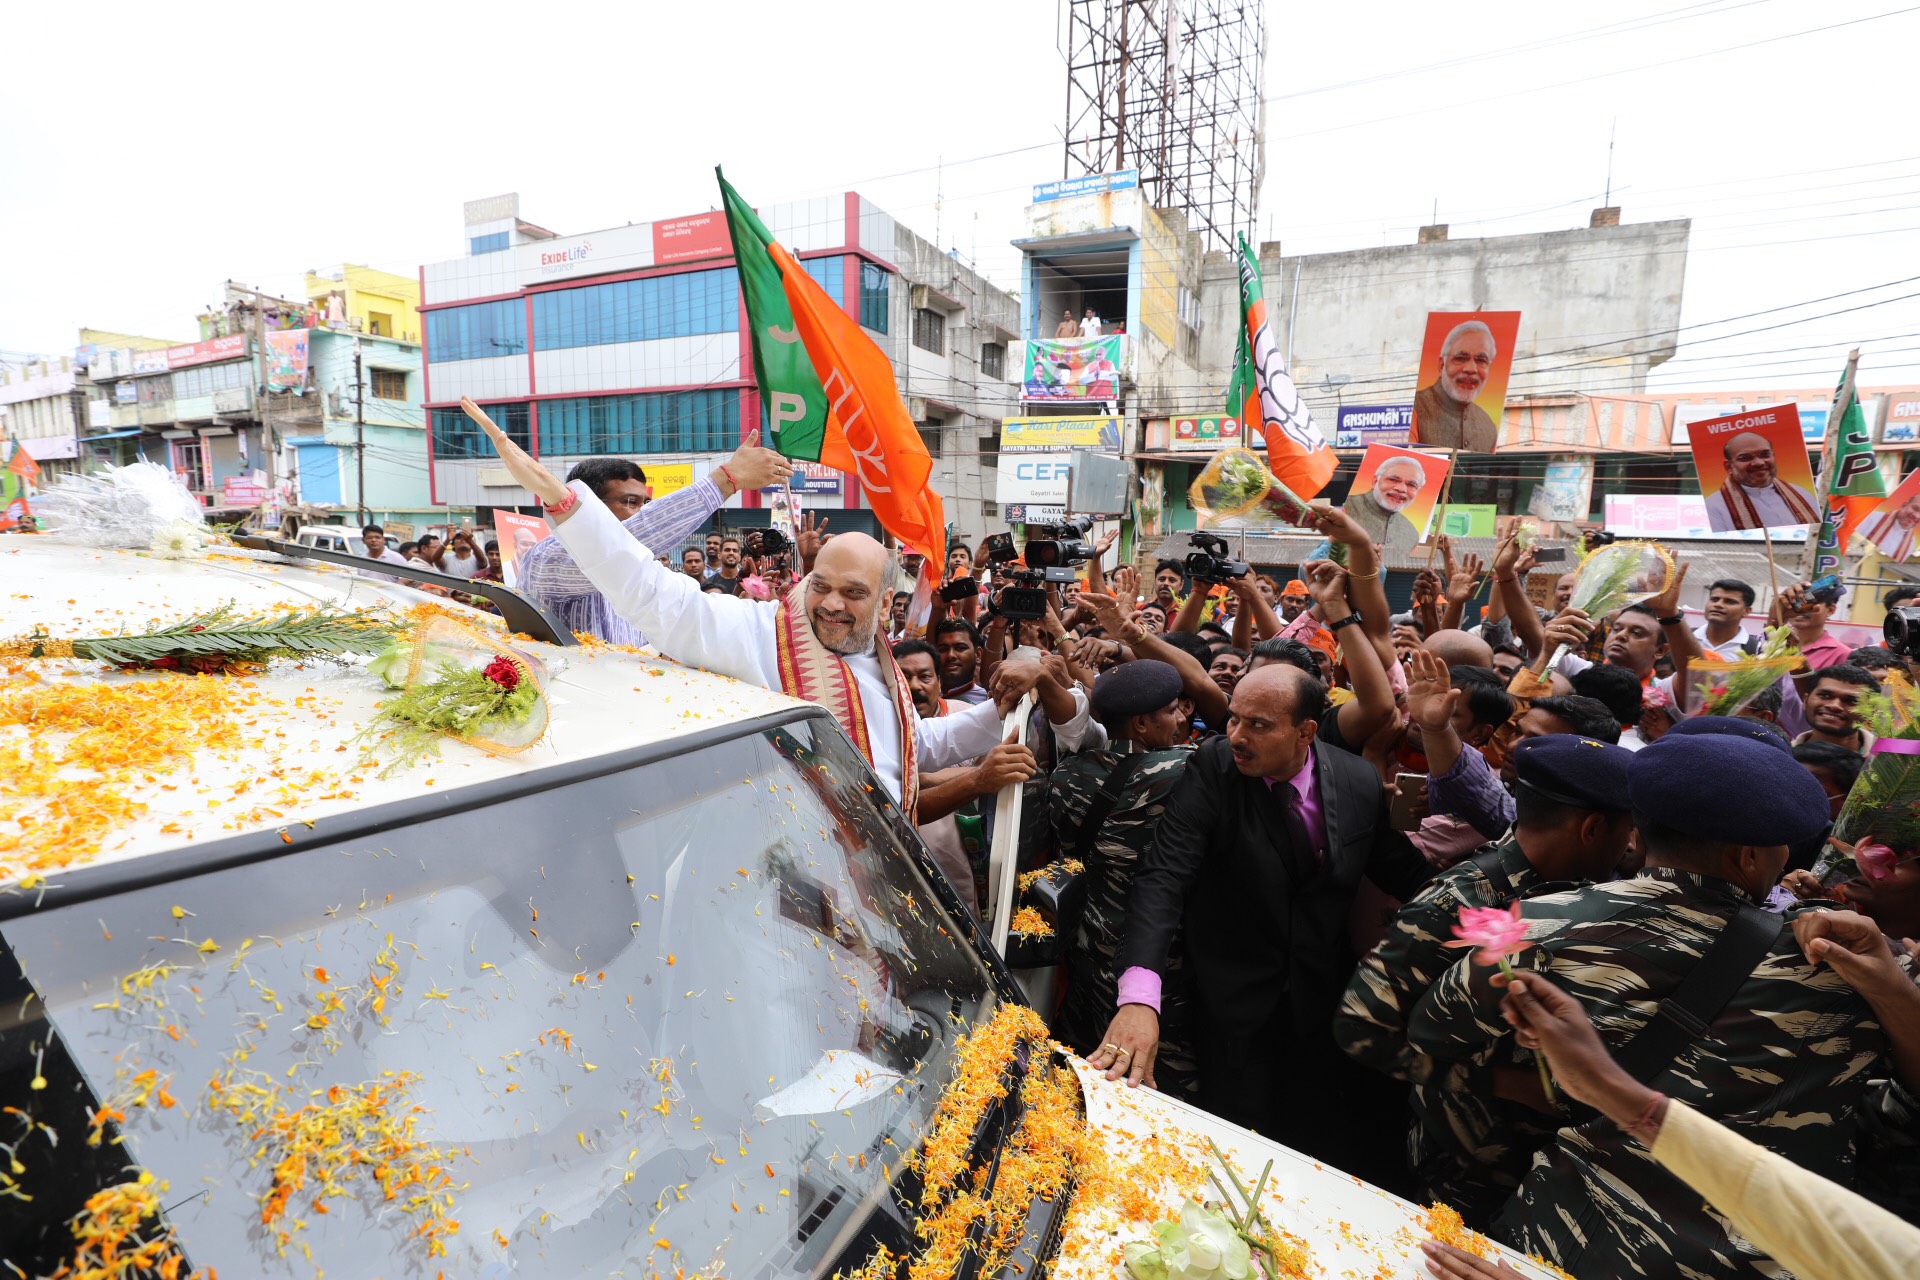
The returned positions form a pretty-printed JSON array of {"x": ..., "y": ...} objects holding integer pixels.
[
  {"x": 1073, "y": 368},
  {"x": 1393, "y": 495},
  {"x": 1754, "y": 471},
  {"x": 1466, "y": 361}
]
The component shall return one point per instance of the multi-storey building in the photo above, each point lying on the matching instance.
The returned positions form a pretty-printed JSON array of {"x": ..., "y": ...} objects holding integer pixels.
[{"x": 632, "y": 342}]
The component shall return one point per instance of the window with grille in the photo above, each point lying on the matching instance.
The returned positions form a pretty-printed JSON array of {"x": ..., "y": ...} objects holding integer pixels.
[
  {"x": 930, "y": 331},
  {"x": 389, "y": 384},
  {"x": 993, "y": 360}
]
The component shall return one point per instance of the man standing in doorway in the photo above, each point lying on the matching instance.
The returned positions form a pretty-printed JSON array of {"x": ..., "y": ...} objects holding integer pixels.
[
  {"x": 1089, "y": 324},
  {"x": 1066, "y": 328}
]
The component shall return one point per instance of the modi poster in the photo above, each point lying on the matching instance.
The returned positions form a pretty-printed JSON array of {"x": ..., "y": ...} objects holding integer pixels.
[
  {"x": 287, "y": 359},
  {"x": 1073, "y": 368},
  {"x": 1394, "y": 494},
  {"x": 1754, "y": 472},
  {"x": 1466, "y": 361},
  {"x": 1894, "y": 523},
  {"x": 517, "y": 534}
]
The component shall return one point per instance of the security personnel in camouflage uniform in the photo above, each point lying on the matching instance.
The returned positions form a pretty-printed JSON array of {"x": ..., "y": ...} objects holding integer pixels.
[
  {"x": 1468, "y": 1146},
  {"x": 1786, "y": 1049},
  {"x": 1135, "y": 703}
]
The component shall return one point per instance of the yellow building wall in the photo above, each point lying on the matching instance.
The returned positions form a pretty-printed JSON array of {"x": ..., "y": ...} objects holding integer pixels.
[
  {"x": 130, "y": 341},
  {"x": 381, "y": 301}
]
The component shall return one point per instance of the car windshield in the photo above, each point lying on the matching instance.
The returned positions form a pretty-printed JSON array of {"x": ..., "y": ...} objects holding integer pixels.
[{"x": 685, "y": 1016}]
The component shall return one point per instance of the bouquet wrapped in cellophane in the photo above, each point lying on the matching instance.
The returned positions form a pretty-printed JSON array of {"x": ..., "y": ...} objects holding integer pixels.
[
  {"x": 1718, "y": 686},
  {"x": 1235, "y": 484},
  {"x": 458, "y": 683},
  {"x": 1619, "y": 574},
  {"x": 1879, "y": 825}
]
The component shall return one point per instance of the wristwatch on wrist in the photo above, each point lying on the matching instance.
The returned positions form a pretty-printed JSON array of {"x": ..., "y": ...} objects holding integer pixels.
[
  {"x": 1347, "y": 621},
  {"x": 1674, "y": 621}
]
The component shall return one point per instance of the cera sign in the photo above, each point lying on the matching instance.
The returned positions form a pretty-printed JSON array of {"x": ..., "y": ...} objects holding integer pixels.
[{"x": 1038, "y": 479}]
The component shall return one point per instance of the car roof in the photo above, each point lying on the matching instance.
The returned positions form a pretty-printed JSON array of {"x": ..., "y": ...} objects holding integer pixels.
[{"x": 296, "y": 761}]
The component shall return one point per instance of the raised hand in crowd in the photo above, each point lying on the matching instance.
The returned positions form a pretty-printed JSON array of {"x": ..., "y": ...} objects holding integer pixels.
[
  {"x": 1463, "y": 580},
  {"x": 751, "y": 467},
  {"x": 1428, "y": 587},
  {"x": 1255, "y": 619},
  {"x": 1511, "y": 565},
  {"x": 1126, "y": 585},
  {"x": 1431, "y": 703},
  {"x": 520, "y": 464},
  {"x": 808, "y": 537},
  {"x": 1852, "y": 946}
]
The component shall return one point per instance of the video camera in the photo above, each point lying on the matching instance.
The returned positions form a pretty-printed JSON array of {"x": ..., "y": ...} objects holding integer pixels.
[
  {"x": 1901, "y": 631},
  {"x": 1209, "y": 561},
  {"x": 1060, "y": 547}
]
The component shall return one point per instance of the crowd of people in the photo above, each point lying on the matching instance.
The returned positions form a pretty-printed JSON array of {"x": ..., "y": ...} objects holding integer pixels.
[{"x": 1286, "y": 799}]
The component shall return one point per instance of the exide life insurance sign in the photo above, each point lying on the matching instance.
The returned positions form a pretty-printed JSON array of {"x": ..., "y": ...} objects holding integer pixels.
[{"x": 704, "y": 235}]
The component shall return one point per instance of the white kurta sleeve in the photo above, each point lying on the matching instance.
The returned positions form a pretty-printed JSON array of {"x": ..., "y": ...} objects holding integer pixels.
[
  {"x": 726, "y": 634},
  {"x": 1076, "y": 732}
]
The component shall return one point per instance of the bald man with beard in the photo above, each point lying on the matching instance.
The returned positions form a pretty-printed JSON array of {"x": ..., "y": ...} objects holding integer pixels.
[
  {"x": 822, "y": 644},
  {"x": 1753, "y": 496}
]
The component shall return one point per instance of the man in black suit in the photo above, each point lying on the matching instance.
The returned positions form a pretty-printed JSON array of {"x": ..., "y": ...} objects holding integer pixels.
[{"x": 1263, "y": 844}]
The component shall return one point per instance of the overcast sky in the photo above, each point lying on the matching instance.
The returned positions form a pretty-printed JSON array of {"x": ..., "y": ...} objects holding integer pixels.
[{"x": 149, "y": 152}]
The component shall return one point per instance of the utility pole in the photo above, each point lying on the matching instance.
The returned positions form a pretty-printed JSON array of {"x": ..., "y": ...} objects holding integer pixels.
[{"x": 359, "y": 432}]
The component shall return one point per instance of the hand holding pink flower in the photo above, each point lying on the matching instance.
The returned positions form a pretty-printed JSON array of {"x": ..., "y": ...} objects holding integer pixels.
[{"x": 1497, "y": 934}]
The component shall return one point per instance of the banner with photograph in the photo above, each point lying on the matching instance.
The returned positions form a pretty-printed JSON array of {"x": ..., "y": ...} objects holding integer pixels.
[
  {"x": 517, "y": 534},
  {"x": 1073, "y": 368},
  {"x": 1466, "y": 360},
  {"x": 1892, "y": 525},
  {"x": 1754, "y": 472},
  {"x": 1394, "y": 493},
  {"x": 287, "y": 359}
]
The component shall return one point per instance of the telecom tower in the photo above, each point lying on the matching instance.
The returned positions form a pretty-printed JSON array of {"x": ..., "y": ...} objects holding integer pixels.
[{"x": 1171, "y": 88}]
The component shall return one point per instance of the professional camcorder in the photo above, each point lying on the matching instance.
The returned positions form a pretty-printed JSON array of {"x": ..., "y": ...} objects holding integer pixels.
[
  {"x": 1059, "y": 547},
  {"x": 1209, "y": 561}
]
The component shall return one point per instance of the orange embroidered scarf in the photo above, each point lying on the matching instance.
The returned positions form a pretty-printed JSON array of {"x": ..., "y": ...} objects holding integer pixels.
[{"x": 814, "y": 673}]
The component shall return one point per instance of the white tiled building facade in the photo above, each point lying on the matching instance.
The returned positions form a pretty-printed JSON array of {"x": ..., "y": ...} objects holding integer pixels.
[{"x": 631, "y": 342}]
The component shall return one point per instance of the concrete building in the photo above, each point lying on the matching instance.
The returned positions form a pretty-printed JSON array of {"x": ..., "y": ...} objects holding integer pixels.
[
  {"x": 264, "y": 411},
  {"x": 43, "y": 408},
  {"x": 632, "y": 342},
  {"x": 370, "y": 426},
  {"x": 365, "y": 300}
]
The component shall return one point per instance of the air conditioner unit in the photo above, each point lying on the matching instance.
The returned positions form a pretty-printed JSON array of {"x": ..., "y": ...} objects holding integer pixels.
[
  {"x": 919, "y": 294},
  {"x": 917, "y": 407}
]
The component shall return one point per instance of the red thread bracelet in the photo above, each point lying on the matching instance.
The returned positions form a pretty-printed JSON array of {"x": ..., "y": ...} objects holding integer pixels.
[
  {"x": 1646, "y": 1117},
  {"x": 729, "y": 475},
  {"x": 568, "y": 502}
]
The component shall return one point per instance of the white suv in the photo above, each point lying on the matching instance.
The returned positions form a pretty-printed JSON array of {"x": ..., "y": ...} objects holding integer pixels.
[{"x": 673, "y": 991}]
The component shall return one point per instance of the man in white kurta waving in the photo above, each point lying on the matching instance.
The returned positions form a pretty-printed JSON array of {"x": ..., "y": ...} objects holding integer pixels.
[{"x": 822, "y": 644}]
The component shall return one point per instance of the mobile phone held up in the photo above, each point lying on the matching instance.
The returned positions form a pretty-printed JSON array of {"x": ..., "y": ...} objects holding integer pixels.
[
  {"x": 1549, "y": 555},
  {"x": 1408, "y": 801},
  {"x": 1824, "y": 590}
]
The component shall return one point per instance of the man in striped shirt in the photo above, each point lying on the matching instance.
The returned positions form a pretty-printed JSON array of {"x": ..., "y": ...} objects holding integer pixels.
[{"x": 549, "y": 575}]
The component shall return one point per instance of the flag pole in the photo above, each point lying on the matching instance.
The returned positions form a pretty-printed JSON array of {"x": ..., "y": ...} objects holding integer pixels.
[
  {"x": 1843, "y": 398},
  {"x": 1446, "y": 492},
  {"x": 1773, "y": 575}
]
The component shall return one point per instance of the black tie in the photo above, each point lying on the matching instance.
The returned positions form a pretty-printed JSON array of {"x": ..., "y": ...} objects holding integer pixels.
[{"x": 1303, "y": 857}]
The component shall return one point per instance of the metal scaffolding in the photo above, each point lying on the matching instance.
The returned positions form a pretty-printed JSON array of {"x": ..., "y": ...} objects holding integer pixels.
[{"x": 1171, "y": 88}]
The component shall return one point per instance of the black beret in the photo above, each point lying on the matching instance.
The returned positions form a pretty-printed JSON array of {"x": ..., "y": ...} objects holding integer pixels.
[
  {"x": 1718, "y": 786},
  {"x": 1575, "y": 770},
  {"x": 1733, "y": 727},
  {"x": 1135, "y": 689}
]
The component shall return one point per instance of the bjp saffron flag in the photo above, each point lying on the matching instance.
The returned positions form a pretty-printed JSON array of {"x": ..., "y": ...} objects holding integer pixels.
[
  {"x": 1263, "y": 394},
  {"x": 827, "y": 391},
  {"x": 23, "y": 464},
  {"x": 1851, "y": 484}
]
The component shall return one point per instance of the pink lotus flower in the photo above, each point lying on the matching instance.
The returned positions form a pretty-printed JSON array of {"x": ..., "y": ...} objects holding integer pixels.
[
  {"x": 1876, "y": 861},
  {"x": 1656, "y": 698},
  {"x": 1496, "y": 934}
]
